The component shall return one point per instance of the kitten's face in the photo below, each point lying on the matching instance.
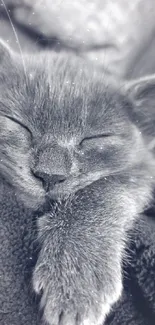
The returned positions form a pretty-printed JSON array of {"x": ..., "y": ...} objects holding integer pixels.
[{"x": 62, "y": 128}]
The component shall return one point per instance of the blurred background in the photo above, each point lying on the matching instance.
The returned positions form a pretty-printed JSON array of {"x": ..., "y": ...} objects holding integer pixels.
[{"x": 116, "y": 35}]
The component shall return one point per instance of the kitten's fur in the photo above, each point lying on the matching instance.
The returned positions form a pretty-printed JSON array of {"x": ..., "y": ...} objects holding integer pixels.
[{"x": 75, "y": 144}]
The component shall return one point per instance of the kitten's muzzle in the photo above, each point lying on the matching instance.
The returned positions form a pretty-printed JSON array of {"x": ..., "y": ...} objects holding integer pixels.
[{"x": 49, "y": 181}]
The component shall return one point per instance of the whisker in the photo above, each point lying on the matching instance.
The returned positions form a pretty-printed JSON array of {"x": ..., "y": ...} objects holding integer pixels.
[{"x": 16, "y": 36}]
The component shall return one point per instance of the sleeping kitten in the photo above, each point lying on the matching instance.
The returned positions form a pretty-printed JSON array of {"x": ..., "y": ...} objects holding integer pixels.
[{"x": 82, "y": 148}]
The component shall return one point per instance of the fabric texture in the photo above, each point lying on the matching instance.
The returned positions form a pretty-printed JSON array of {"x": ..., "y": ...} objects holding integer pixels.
[{"x": 17, "y": 302}]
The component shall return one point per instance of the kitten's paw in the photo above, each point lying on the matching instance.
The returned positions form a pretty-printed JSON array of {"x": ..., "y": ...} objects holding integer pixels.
[
  {"x": 79, "y": 278},
  {"x": 66, "y": 304}
]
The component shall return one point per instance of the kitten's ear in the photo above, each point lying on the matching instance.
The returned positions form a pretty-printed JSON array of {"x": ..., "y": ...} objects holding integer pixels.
[
  {"x": 6, "y": 55},
  {"x": 142, "y": 94}
]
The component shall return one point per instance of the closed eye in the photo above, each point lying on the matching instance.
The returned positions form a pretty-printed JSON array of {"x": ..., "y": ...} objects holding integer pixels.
[
  {"x": 98, "y": 136},
  {"x": 20, "y": 123}
]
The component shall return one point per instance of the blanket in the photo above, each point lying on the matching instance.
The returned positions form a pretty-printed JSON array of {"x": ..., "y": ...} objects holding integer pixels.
[{"x": 18, "y": 306}]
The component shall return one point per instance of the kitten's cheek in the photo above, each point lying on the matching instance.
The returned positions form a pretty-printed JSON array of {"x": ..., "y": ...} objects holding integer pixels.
[
  {"x": 30, "y": 191},
  {"x": 32, "y": 201}
]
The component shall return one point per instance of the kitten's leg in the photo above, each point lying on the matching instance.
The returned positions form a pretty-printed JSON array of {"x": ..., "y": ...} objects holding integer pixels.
[{"x": 78, "y": 272}]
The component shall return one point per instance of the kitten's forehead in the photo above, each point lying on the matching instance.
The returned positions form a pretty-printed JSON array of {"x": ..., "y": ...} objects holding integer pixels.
[
  {"x": 67, "y": 115},
  {"x": 64, "y": 97}
]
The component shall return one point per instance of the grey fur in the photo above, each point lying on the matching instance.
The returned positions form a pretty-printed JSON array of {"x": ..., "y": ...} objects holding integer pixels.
[{"x": 62, "y": 120}]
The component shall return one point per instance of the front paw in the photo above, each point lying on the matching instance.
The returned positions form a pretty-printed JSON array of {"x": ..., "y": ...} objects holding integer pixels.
[
  {"x": 69, "y": 307},
  {"x": 78, "y": 277},
  {"x": 71, "y": 297}
]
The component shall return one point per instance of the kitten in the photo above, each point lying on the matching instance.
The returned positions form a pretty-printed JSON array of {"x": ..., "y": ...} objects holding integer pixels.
[{"x": 78, "y": 146}]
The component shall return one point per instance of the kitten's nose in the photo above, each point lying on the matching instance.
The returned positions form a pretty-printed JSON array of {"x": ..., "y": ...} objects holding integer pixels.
[{"x": 49, "y": 180}]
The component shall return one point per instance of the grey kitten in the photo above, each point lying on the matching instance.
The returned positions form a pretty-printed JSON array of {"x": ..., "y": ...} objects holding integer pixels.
[{"x": 82, "y": 147}]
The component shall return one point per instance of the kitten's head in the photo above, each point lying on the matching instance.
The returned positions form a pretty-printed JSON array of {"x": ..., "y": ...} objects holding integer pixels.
[{"x": 63, "y": 127}]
